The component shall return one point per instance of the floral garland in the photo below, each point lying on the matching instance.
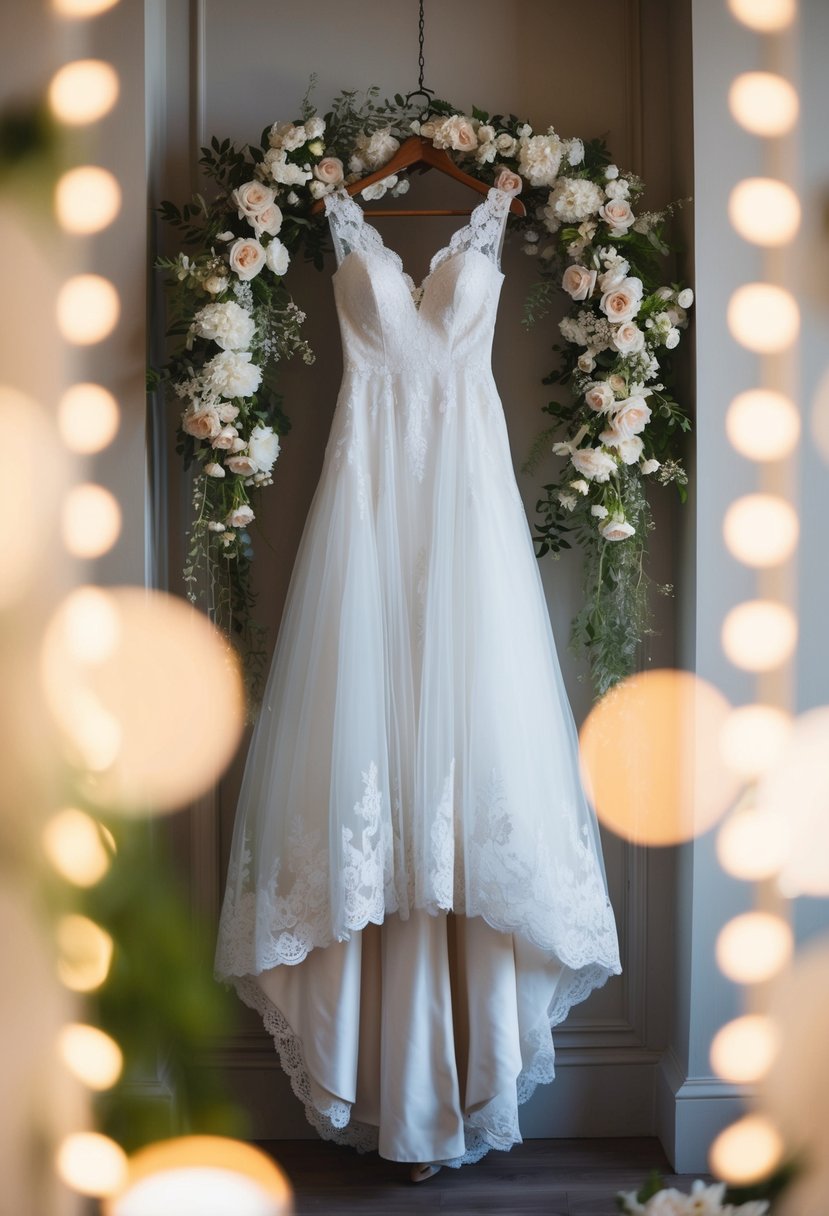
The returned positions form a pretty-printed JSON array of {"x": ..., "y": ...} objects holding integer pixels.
[{"x": 230, "y": 304}]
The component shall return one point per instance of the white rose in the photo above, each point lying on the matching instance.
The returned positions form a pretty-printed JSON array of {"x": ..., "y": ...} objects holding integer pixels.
[
  {"x": 649, "y": 466},
  {"x": 587, "y": 361},
  {"x": 486, "y": 154},
  {"x": 632, "y": 416},
  {"x": 685, "y": 298},
  {"x": 593, "y": 463},
  {"x": 599, "y": 397},
  {"x": 617, "y": 214},
  {"x": 630, "y": 449},
  {"x": 202, "y": 422},
  {"x": 225, "y": 437},
  {"x": 263, "y": 447},
  {"x": 228, "y": 412},
  {"x": 232, "y": 374},
  {"x": 247, "y": 257},
  {"x": 314, "y": 127},
  {"x": 243, "y": 466},
  {"x": 277, "y": 258},
  {"x": 228, "y": 325},
  {"x": 617, "y": 383},
  {"x": 599, "y": 511},
  {"x": 505, "y": 144},
  {"x": 622, "y": 302},
  {"x": 578, "y": 282},
  {"x": 486, "y": 133},
  {"x": 215, "y": 284},
  {"x": 580, "y": 485},
  {"x": 539, "y": 158},
  {"x": 329, "y": 170},
  {"x": 617, "y": 528},
  {"x": 628, "y": 338},
  {"x": 240, "y": 517},
  {"x": 611, "y": 172},
  {"x": 251, "y": 198},
  {"x": 614, "y": 275},
  {"x": 617, "y": 189},
  {"x": 214, "y": 470}
]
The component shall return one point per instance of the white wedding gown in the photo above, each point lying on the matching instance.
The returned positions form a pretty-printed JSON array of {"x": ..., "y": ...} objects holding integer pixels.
[{"x": 416, "y": 890}]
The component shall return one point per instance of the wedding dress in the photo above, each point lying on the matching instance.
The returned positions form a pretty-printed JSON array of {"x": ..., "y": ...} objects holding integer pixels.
[{"x": 416, "y": 890}]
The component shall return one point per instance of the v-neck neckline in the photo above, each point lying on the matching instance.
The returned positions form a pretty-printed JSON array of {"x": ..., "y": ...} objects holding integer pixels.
[{"x": 416, "y": 291}]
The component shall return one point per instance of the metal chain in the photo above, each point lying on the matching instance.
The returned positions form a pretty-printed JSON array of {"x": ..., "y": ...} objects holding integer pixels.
[{"x": 421, "y": 61}]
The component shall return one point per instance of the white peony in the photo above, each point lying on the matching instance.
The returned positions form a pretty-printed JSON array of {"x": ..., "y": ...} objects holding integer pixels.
[
  {"x": 622, "y": 302},
  {"x": 228, "y": 325},
  {"x": 202, "y": 422},
  {"x": 599, "y": 397},
  {"x": 231, "y": 374},
  {"x": 277, "y": 257},
  {"x": 246, "y": 257},
  {"x": 575, "y": 151},
  {"x": 240, "y": 517},
  {"x": 628, "y": 338},
  {"x": 617, "y": 528},
  {"x": 539, "y": 158},
  {"x": 578, "y": 282},
  {"x": 685, "y": 298},
  {"x": 593, "y": 463},
  {"x": 263, "y": 447},
  {"x": 573, "y": 199}
]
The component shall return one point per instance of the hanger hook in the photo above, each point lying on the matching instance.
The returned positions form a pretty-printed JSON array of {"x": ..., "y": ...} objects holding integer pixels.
[{"x": 421, "y": 90}]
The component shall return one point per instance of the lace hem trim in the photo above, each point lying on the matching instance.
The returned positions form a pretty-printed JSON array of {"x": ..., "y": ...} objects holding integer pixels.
[{"x": 332, "y": 1120}]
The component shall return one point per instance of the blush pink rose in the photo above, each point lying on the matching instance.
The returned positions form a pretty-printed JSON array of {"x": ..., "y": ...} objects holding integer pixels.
[{"x": 508, "y": 181}]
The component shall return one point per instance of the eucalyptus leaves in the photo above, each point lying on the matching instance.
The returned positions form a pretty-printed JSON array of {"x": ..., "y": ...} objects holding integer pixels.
[{"x": 235, "y": 321}]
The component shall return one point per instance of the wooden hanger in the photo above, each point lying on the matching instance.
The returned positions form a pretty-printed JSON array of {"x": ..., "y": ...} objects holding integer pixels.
[{"x": 417, "y": 151}]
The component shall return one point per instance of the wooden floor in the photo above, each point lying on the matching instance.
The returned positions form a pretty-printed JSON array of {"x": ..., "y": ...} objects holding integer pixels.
[{"x": 553, "y": 1177}]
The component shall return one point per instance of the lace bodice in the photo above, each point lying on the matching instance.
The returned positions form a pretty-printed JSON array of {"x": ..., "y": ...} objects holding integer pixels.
[{"x": 390, "y": 324}]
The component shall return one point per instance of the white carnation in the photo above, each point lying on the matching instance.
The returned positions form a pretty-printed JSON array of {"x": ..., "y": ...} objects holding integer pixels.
[
  {"x": 231, "y": 374},
  {"x": 228, "y": 325},
  {"x": 573, "y": 199}
]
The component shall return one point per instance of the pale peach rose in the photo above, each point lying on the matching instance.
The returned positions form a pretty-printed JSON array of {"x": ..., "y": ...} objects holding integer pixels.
[
  {"x": 617, "y": 528},
  {"x": 508, "y": 181},
  {"x": 247, "y": 257},
  {"x": 631, "y": 417},
  {"x": 578, "y": 282},
  {"x": 329, "y": 170},
  {"x": 201, "y": 422},
  {"x": 225, "y": 437},
  {"x": 599, "y": 397},
  {"x": 628, "y": 338},
  {"x": 268, "y": 220},
  {"x": 240, "y": 517},
  {"x": 622, "y": 302},
  {"x": 243, "y": 465},
  {"x": 617, "y": 214},
  {"x": 456, "y": 132},
  {"x": 251, "y": 198}
]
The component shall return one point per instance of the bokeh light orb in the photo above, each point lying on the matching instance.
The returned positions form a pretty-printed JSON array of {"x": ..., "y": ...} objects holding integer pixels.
[
  {"x": 90, "y": 521},
  {"x": 763, "y": 318},
  {"x": 742, "y": 1051},
  {"x": 753, "y": 843},
  {"x": 91, "y": 1164},
  {"x": 84, "y": 953},
  {"x": 83, "y": 91},
  {"x": 88, "y": 418},
  {"x": 156, "y": 713},
  {"x": 75, "y": 847},
  {"x": 797, "y": 788},
  {"x": 762, "y": 424},
  {"x": 759, "y": 635},
  {"x": 753, "y": 947},
  {"x": 747, "y": 1151},
  {"x": 87, "y": 199},
  {"x": 764, "y": 211},
  {"x": 765, "y": 16},
  {"x": 91, "y": 1055},
  {"x": 87, "y": 309},
  {"x": 201, "y": 1176},
  {"x": 650, "y": 757},
  {"x": 761, "y": 529},
  {"x": 763, "y": 103}
]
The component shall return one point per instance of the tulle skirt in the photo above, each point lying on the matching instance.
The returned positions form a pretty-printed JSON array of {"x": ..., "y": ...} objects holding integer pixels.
[{"x": 415, "y": 754}]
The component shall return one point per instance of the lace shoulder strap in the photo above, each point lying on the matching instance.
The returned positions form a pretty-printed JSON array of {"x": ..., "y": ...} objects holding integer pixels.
[
  {"x": 484, "y": 232},
  {"x": 345, "y": 221}
]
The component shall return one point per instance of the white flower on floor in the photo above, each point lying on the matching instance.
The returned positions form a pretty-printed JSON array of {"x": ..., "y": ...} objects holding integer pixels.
[{"x": 228, "y": 325}]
